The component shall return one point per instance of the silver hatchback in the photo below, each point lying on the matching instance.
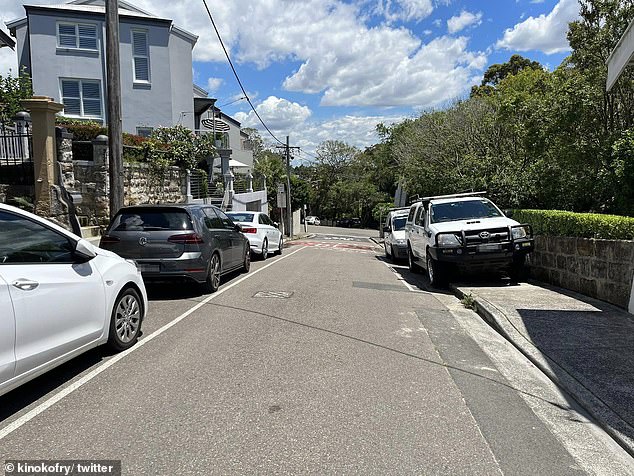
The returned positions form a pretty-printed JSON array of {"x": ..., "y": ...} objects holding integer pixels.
[{"x": 192, "y": 242}]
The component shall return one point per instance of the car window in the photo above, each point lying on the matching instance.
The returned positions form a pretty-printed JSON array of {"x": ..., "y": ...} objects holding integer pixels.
[
  {"x": 241, "y": 217},
  {"x": 410, "y": 217},
  {"x": 418, "y": 218},
  {"x": 26, "y": 241},
  {"x": 212, "y": 220},
  {"x": 151, "y": 219},
  {"x": 262, "y": 220},
  {"x": 226, "y": 221},
  {"x": 464, "y": 210},
  {"x": 398, "y": 223}
]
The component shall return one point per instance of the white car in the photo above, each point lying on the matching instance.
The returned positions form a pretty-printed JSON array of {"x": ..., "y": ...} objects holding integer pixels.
[
  {"x": 312, "y": 220},
  {"x": 467, "y": 231},
  {"x": 59, "y": 297},
  {"x": 261, "y": 231},
  {"x": 394, "y": 239}
]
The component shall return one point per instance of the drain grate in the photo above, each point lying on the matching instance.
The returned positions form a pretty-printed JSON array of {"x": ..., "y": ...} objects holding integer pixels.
[{"x": 273, "y": 294}]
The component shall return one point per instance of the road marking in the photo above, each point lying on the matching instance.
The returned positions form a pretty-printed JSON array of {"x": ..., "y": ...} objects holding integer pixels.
[
  {"x": 109, "y": 363},
  {"x": 400, "y": 277},
  {"x": 346, "y": 236}
]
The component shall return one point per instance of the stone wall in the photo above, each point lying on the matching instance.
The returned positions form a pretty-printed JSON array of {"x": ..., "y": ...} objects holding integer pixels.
[
  {"x": 140, "y": 187},
  {"x": 602, "y": 269}
]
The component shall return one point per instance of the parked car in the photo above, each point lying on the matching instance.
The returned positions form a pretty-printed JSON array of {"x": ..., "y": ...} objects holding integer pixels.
[
  {"x": 59, "y": 297},
  {"x": 190, "y": 242},
  {"x": 262, "y": 232},
  {"x": 349, "y": 223},
  {"x": 312, "y": 220},
  {"x": 394, "y": 240},
  {"x": 464, "y": 231}
]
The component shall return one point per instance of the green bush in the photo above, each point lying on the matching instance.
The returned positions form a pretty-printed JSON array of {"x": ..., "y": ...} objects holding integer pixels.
[
  {"x": 582, "y": 225},
  {"x": 82, "y": 130}
]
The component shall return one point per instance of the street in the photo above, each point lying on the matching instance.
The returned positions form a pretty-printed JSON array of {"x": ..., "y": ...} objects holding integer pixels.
[{"x": 328, "y": 359}]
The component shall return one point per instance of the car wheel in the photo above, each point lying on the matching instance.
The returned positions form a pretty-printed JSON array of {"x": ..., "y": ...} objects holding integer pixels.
[
  {"x": 410, "y": 261},
  {"x": 125, "y": 322},
  {"x": 280, "y": 246},
  {"x": 265, "y": 249},
  {"x": 212, "y": 283},
  {"x": 435, "y": 273},
  {"x": 246, "y": 264}
]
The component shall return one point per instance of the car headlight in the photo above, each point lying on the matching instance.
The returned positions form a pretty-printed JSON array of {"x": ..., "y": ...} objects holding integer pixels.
[
  {"x": 518, "y": 232},
  {"x": 448, "y": 239}
]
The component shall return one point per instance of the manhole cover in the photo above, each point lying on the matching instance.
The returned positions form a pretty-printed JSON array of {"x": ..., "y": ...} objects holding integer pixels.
[{"x": 273, "y": 294}]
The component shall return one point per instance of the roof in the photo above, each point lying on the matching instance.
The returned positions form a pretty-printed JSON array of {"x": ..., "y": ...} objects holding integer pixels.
[
  {"x": 202, "y": 104},
  {"x": 200, "y": 92},
  {"x": 97, "y": 7},
  {"x": 456, "y": 199},
  {"x": 6, "y": 40}
]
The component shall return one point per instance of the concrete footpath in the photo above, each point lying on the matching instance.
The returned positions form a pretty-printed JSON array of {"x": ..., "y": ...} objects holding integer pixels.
[{"x": 584, "y": 345}]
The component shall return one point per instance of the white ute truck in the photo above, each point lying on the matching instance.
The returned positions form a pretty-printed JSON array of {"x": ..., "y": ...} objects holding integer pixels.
[{"x": 465, "y": 230}]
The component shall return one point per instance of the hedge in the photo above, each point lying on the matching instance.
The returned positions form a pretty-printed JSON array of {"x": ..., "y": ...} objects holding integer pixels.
[{"x": 582, "y": 225}]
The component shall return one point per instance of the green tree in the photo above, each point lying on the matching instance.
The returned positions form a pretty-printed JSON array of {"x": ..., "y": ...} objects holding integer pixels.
[
  {"x": 499, "y": 71},
  {"x": 12, "y": 91}
]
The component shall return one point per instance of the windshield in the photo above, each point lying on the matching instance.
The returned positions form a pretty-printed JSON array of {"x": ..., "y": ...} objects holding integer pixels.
[
  {"x": 150, "y": 219},
  {"x": 398, "y": 223},
  {"x": 466, "y": 210},
  {"x": 241, "y": 217}
]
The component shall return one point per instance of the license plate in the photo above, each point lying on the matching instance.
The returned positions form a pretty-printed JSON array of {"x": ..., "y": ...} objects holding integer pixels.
[
  {"x": 149, "y": 268},
  {"x": 489, "y": 248}
]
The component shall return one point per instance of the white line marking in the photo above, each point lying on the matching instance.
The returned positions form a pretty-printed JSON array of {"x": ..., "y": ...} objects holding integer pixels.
[
  {"x": 109, "y": 363},
  {"x": 345, "y": 236},
  {"x": 400, "y": 277}
]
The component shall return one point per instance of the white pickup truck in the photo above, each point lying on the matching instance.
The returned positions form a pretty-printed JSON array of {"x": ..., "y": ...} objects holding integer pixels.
[{"x": 464, "y": 231}]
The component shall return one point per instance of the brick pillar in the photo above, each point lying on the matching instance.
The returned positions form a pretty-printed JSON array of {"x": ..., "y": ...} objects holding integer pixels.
[
  {"x": 64, "y": 144},
  {"x": 102, "y": 179},
  {"x": 43, "y": 110}
]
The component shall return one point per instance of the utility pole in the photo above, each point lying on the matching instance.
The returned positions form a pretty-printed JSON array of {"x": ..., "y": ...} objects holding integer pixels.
[
  {"x": 289, "y": 212},
  {"x": 114, "y": 106}
]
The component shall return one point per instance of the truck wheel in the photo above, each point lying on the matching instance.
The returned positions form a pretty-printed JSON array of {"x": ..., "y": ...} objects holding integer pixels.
[
  {"x": 517, "y": 272},
  {"x": 435, "y": 272},
  {"x": 410, "y": 261}
]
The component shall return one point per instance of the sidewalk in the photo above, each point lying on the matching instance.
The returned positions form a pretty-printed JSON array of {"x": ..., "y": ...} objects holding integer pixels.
[{"x": 584, "y": 345}]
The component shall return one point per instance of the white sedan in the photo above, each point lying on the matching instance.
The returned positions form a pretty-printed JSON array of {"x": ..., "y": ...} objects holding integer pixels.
[
  {"x": 59, "y": 297},
  {"x": 312, "y": 220},
  {"x": 261, "y": 231}
]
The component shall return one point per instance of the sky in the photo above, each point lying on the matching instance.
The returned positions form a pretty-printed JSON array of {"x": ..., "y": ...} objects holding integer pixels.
[{"x": 321, "y": 70}]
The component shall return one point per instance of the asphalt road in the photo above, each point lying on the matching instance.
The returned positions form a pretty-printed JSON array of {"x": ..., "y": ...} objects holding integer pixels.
[{"x": 326, "y": 360}]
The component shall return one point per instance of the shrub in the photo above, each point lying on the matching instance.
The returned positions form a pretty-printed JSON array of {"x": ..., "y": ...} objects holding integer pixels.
[
  {"x": 82, "y": 130},
  {"x": 582, "y": 225}
]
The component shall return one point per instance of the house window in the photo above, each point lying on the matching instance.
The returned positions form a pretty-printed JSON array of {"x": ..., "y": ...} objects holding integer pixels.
[
  {"x": 77, "y": 36},
  {"x": 144, "y": 131},
  {"x": 81, "y": 97},
  {"x": 140, "y": 56}
]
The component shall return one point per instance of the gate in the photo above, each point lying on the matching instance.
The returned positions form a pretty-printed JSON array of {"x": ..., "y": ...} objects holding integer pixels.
[{"x": 16, "y": 154}]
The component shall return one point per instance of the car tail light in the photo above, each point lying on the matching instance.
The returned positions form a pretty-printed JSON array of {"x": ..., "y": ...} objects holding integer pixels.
[
  {"x": 186, "y": 239},
  {"x": 249, "y": 230},
  {"x": 107, "y": 240}
]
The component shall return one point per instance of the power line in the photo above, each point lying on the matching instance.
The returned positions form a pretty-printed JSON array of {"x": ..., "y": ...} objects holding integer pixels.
[{"x": 235, "y": 73}]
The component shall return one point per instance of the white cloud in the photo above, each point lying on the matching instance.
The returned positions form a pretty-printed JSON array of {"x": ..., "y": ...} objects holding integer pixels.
[
  {"x": 277, "y": 113},
  {"x": 465, "y": 19},
  {"x": 545, "y": 33},
  {"x": 8, "y": 62},
  {"x": 285, "y": 117},
  {"x": 405, "y": 10},
  {"x": 402, "y": 74},
  {"x": 213, "y": 84}
]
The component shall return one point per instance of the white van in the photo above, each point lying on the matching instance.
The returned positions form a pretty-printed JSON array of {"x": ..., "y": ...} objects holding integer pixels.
[{"x": 394, "y": 239}]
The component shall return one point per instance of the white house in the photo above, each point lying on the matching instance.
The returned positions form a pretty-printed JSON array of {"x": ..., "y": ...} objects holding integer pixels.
[{"x": 62, "y": 48}]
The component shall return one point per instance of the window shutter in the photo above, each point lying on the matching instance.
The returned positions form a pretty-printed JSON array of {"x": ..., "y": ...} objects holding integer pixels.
[
  {"x": 140, "y": 56},
  {"x": 88, "y": 37}
]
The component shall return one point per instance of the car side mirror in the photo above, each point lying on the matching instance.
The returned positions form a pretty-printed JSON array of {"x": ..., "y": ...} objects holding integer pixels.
[
  {"x": 83, "y": 251},
  {"x": 386, "y": 229},
  {"x": 428, "y": 234},
  {"x": 508, "y": 213},
  {"x": 237, "y": 227},
  {"x": 276, "y": 224}
]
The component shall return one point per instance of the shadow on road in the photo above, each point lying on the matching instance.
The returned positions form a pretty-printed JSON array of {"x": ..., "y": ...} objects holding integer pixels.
[
  {"x": 23, "y": 396},
  {"x": 182, "y": 289}
]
